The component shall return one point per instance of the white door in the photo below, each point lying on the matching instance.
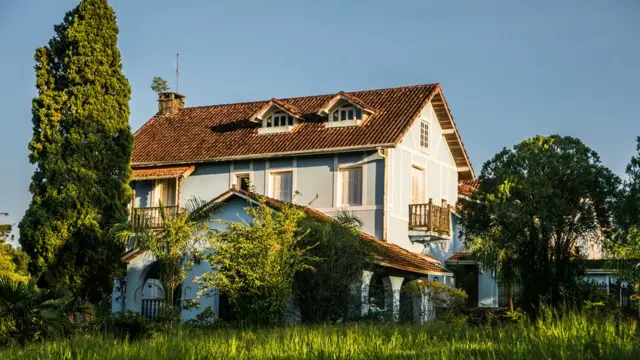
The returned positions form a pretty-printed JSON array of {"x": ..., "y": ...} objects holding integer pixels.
[{"x": 417, "y": 186}]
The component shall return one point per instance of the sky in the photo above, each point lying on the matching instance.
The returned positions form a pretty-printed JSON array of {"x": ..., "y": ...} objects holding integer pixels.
[{"x": 510, "y": 70}]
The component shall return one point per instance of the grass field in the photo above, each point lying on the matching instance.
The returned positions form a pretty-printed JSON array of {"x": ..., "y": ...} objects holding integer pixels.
[{"x": 573, "y": 337}]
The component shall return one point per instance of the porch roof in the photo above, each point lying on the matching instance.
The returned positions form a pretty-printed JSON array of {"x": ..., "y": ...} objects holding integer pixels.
[
  {"x": 386, "y": 254},
  {"x": 167, "y": 172}
]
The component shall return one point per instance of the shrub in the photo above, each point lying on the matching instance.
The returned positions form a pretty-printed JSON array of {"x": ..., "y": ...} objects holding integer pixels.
[
  {"x": 326, "y": 294},
  {"x": 127, "y": 324},
  {"x": 447, "y": 301}
]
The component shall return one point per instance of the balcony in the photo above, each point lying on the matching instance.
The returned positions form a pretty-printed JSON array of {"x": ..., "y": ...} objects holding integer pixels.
[
  {"x": 150, "y": 216},
  {"x": 429, "y": 221}
]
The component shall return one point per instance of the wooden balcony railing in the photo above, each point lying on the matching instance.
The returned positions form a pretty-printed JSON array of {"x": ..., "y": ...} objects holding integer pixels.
[
  {"x": 430, "y": 217},
  {"x": 151, "y": 307},
  {"x": 150, "y": 216}
]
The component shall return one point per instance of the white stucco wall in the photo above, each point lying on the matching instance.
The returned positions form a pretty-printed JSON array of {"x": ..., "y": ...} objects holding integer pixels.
[{"x": 441, "y": 181}]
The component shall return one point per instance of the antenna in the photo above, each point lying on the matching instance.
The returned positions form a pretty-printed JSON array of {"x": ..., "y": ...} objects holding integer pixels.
[{"x": 177, "y": 71}]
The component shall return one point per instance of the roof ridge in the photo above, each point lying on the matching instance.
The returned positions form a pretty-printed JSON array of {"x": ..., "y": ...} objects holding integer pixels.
[{"x": 308, "y": 96}]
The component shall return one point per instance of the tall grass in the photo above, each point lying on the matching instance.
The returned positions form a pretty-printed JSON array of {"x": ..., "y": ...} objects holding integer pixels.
[{"x": 551, "y": 337}]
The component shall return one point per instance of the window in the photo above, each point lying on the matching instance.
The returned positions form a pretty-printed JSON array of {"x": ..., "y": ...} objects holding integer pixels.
[
  {"x": 351, "y": 186},
  {"x": 347, "y": 113},
  {"x": 279, "y": 118},
  {"x": 424, "y": 135},
  {"x": 165, "y": 192},
  {"x": 417, "y": 186},
  {"x": 282, "y": 185},
  {"x": 242, "y": 182}
]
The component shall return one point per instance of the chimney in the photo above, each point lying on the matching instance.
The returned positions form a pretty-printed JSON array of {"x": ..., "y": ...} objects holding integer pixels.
[{"x": 170, "y": 102}]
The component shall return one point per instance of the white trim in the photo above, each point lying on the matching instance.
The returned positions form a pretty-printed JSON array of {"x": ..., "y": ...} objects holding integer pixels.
[
  {"x": 406, "y": 219},
  {"x": 337, "y": 181},
  {"x": 343, "y": 123},
  {"x": 352, "y": 208},
  {"x": 275, "y": 129},
  {"x": 294, "y": 180}
]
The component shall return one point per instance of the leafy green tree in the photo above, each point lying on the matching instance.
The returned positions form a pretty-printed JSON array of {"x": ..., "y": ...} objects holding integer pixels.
[
  {"x": 624, "y": 246},
  {"x": 255, "y": 264},
  {"x": 174, "y": 243},
  {"x": 12, "y": 261},
  {"x": 326, "y": 294},
  {"x": 81, "y": 148},
  {"x": 537, "y": 203},
  {"x": 159, "y": 84}
]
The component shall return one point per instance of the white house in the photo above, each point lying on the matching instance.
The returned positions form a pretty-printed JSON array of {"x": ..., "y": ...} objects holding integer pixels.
[{"x": 393, "y": 156}]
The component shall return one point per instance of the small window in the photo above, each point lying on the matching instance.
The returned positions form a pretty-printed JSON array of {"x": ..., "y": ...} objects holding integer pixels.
[
  {"x": 347, "y": 113},
  {"x": 242, "y": 182},
  {"x": 424, "y": 135},
  {"x": 278, "y": 119},
  {"x": 282, "y": 185},
  {"x": 351, "y": 186}
]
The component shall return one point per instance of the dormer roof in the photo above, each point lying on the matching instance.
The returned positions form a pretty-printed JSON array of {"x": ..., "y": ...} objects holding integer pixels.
[
  {"x": 352, "y": 99},
  {"x": 278, "y": 104}
]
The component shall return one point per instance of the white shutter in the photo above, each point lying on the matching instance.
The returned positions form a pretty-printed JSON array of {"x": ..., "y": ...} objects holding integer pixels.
[
  {"x": 286, "y": 185},
  {"x": 355, "y": 186},
  {"x": 417, "y": 186}
]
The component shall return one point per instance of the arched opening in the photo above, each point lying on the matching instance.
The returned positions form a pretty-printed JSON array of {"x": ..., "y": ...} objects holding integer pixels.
[
  {"x": 152, "y": 292},
  {"x": 376, "y": 294},
  {"x": 406, "y": 304}
]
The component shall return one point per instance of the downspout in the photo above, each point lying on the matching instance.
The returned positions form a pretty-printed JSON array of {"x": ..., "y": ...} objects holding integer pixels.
[{"x": 385, "y": 204}]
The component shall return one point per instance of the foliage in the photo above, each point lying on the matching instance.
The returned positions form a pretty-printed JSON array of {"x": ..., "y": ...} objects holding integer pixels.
[
  {"x": 254, "y": 264},
  {"x": 539, "y": 203},
  {"x": 439, "y": 294},
  {"x": 81, "y": 148},
  {"x": 5, "y": 231},
  {"x": 623, "y": 248},
  {"x": 28, "y": 313},
  {"x": 205, "y": 319},
  {"x": 174, "y": 244},
  {"x": 158, "y": 84},
  {"x": 127, "y": 324},
  {"x": 572, "y": 336},
  {"x": 326, "y": 294}
]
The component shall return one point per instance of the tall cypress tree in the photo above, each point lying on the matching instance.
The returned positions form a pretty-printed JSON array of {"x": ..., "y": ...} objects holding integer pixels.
[{"x": 81, "y": 149}]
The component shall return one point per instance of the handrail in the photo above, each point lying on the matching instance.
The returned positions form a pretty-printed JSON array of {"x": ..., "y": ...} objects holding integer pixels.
[{"x": 430, "y": 217}]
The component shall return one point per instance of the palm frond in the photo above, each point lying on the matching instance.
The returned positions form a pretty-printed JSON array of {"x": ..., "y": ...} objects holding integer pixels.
[
  {"x": 200, "y": 211},
  {"x": 349, "y": 218}
]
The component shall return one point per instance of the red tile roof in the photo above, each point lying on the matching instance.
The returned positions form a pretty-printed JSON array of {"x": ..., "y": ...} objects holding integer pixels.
[
  {"x": 162, "y": 172},
  {"x": 224, "y": 132},
  {"x": 467, "y": 187},
  {"x": 460, "y": 256},
  {"x": 387, "y": 254}
]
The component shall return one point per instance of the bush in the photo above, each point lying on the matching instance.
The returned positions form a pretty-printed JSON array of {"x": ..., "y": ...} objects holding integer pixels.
[
  {"x": 326, "y": 294},
  {"x": 127, "y": 324},
  {"x": 447, "y": 301}
]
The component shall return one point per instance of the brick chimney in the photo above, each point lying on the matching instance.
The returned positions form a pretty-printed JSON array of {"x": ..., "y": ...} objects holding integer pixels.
[{"x": 170, "y": 102}]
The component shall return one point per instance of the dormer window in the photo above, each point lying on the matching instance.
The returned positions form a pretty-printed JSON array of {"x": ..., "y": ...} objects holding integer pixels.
[
  {"x": 345, "y": 110},
  {"x": 278, "y": 119},
  {"x": 345, "y": 113}
]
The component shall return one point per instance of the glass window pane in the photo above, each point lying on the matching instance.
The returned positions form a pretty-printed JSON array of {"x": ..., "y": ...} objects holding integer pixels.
[
  {"x": 358, "y": 114},
  {"x": 343, "y": 115},
  {"x": 290, "y": 120},
  {"x": 335, "y": 116},
  {"x": 350, "y": 114}
]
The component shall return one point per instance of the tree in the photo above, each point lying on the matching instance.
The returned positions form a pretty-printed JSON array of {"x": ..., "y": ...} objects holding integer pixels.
[
  {"x": 623, "y": 247},
  {"x": 173, "y": 244},
  {"x": 81, "y": 148},
  {"x": 536, "y": 204},
  {"x": 159, "y": 84},
  {"x": 12, "y": 261},
  {"x": 255, "y": 264}
]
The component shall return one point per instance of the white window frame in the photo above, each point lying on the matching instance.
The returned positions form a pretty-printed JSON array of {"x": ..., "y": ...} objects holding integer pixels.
[
  {"x": 426, "y": 123},
  {"x": 235, "y": 177},
  {"x": 156, "y": 193},
  {"x": 340, "y": 188},
  {"x": 265, "y": 129},
  {"x": 339, "y": 121},
  {"x": 271, "y": 172}
]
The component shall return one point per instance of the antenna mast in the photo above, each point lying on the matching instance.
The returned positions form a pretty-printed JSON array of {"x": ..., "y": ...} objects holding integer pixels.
[{"x": 177, "y": 71}]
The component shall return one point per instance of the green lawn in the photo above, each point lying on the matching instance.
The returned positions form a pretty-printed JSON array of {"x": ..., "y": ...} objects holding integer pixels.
[{"x": 574, "y": 337}]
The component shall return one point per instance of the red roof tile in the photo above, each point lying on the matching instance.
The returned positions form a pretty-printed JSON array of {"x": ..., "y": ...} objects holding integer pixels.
[
  {"x": 162, "y": 172},
  {"x": 387, "y": 254},
  {"x": 224, "y": 132},
  {"x": 467, "y": 187}
]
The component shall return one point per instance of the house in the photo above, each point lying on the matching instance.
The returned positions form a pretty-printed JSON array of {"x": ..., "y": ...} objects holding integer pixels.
[{"x": 394, "y": 157}]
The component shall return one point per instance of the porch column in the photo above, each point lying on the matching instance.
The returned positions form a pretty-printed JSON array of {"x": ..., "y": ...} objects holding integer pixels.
[
  {"x": 423, "y": 308},
  {"x": 364, "y": 292},
  {"x": 392, "y": 285}
]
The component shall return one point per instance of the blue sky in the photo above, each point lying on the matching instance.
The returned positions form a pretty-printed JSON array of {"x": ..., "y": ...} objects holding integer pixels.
[{"x": 509, "y": 69}]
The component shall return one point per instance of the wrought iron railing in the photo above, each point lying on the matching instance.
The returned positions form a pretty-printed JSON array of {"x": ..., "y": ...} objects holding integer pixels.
[
  {"x": 151, "y": 216},
  {"x": 430, "y": 217},
  {"x": 151, "y": 307}
]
